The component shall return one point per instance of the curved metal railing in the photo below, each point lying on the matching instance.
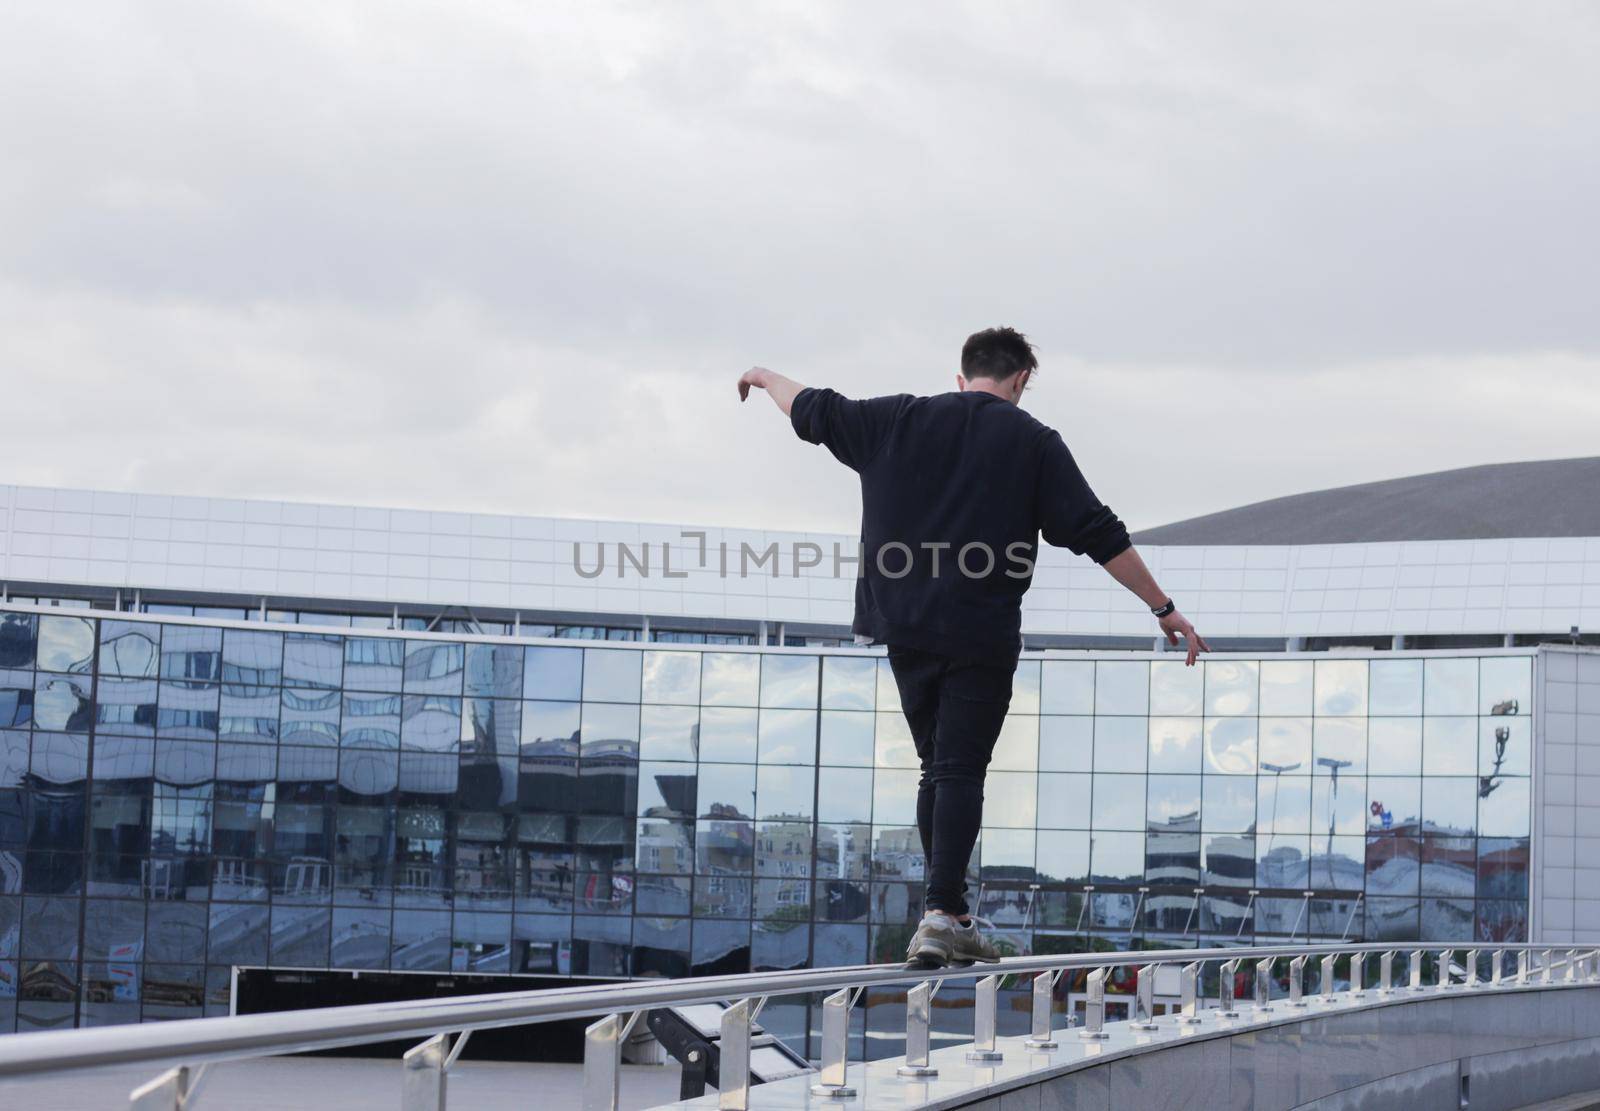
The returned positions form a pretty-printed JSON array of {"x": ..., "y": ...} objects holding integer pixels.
[{"x": 187, "y": 1046}]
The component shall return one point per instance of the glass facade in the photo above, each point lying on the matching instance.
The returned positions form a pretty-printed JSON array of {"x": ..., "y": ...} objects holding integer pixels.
[{"x": 178, "y": 798}]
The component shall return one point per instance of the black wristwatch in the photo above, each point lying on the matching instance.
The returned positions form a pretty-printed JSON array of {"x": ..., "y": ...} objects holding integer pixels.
[{"x": 1162, "y": 611}]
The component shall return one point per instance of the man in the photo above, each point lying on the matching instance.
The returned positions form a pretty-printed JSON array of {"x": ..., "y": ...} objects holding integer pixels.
[{"x": 955, "y": 492}]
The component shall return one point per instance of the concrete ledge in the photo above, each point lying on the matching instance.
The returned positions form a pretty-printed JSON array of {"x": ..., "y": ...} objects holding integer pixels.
[{"x": 1515, "y": 1044}]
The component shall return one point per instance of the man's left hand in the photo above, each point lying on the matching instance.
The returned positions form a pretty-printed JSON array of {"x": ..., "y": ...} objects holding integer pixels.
[{"x": 1176, "y": 625}]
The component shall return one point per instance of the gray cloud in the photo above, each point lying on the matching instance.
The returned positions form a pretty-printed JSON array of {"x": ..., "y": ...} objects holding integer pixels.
[{"x": 506, "y": 258}]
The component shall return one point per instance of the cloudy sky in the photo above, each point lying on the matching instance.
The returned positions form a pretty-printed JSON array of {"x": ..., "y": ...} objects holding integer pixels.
[{"x": 512, "y": 257}]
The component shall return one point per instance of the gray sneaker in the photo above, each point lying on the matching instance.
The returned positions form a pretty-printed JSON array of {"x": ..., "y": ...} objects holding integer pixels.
[
  {"x": 971, "y": 947},
  {"x": 934, "y": 943}
]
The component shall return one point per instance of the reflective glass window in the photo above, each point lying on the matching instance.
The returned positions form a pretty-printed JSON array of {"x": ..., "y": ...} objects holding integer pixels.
[
  {"x": 249, "y": 657},
  {"x": 19, "y": 640},
  {"x": 847, "y": 737},
  {"x": 552, "y": 673},
  {"x": 370, "y": 720},
  {"x": 1173, "y": 802},
  {"x": 728, "y": 734},
  {"x": 311, "y": 659},
  {"x": 1175, "y": 744},
  {"x": 611, "y": 675},
  {"x": 1286, "y": 688},
  {"x": 1017, "y": 748},
  {"x": 1505, "y": 746},
  {"x": 1394, "y": 746},
  {"x": 849, "y": 682},
  {"x": 434, "y": 667},
  {"x": 65, "y": 644},
  {"x": 1066, "y": 687},
  {"x": 1450, "y": 686},
  {"x": 1449, "y": 804},
  {"x": 893, "y": 745},
  {"x": 730, "y": 678},
  {"x": 1117, "y": 858},
  {"x": 1121, "y": 687},
  {"x": 1396, "y": 688},
  {"x": 309, "y": 716},
  {"x": 131, "y": 649},
  {"x": 1283, "y": 804},
  {"x": 1229, "y": 804},
  {"x": 844, "y": 795},
  {"x": 1505, "y": 685},
  {"x": 1339, "y": 745},
  {"x": 1340, "y": 687},
  {"x": 1176, "y": 689},
  {"x": 1011, "y": 799},
  {"x": 374, "y": 663},
  {"x": 1066, "y": 744},
  {"x": 1285, "y": 745},
  {"x": 669, "y": 732},
  {"x": 787, "y": 737},
  {"x": 789, "y": 681},
  {"x": 786, "y": 793},
  {"x": 1503, "y": 807},
  {"x": 494, "y": 671},
  {"x": 1062, "y": 856},
  {"x": 1230, "y": 746},
  {"x": 1232, "y": 687},
  {"x": 671, "y": 678},
  {"x": 1120, "y": 744},
  {"x": 1118, "y": 802},
  {"x": 1449, "y": 745}
]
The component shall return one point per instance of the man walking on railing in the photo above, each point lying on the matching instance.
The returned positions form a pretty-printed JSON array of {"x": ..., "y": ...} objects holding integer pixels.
[{"x": 956, "y": 490}]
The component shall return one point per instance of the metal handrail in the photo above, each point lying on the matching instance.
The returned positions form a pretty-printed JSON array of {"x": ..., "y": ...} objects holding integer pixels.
[{"x": 194, "y": 1042}]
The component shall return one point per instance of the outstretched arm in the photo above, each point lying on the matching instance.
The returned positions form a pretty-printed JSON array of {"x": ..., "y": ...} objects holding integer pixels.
[
  {"x": 782, "y": 390},
  {"x": 1129, "y": 570}
]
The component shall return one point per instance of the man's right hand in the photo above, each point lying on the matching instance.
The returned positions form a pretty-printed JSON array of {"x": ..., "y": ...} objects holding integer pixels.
[
  {"x": 1176, "y": 625},
  {"x": 755, "y": 376}
]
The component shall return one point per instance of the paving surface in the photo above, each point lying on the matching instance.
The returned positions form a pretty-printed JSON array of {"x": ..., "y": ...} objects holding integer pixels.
[{"x": 343, "y": 1084}]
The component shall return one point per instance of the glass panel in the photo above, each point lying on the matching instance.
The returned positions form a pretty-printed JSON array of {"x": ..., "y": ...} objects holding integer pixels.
[
  {"x": 786, "y": 793},
  {"x": 1505, "y": 746},
  {"x": 1503, "y": 807},
  {"x": 844, "y": 795},
  {"x": 1396, "y": 688},
  {"x": 1010, "y": 799},
  {"x": 1229, "y": 860},
  {"x": 1285, "y": 745},
  {"x": 251, "y": 658},
  {"x": 1230, "y": 746},
  {"x": 494, "y": 670},
  {"x": 1017, "y": 748},
  {"x": 788, "y": 737},
  {"x": 1286, "y": 688},
  {"x": 1340, "y": 744},
  {"x": 1394, "y": 803},
  {"x": 1449, "y": 805},
  {"x": 1176, "y": 689},
  {"x": 1394, "y": 746},
  {"x": 893, "y": 746},
  {"x": 1341, "y": 687},
  {"x": 1283, "y": 803},
  {"x": 1117, "y": 858},
  {"x": 847, "y": 737},
  {"x": 1339, "y": 804},
  {"x": 894, "y": 797},
  {"x": 671, "y": 677},
  {"x": 1174, "y": 802},
  {"x": 312, "y": 659},
  {"x": 19, "y": 639},
  {"x": 1118, "y": 802},
  {"x": 1231, "y": 687},
  {"x": 428, "y": 722},
  {"x": 552, "y": 673},
  {"x": 728, "y": 734},
  {"x": 727, "y": 790},
  {"x": 1175, "y": 744},
  {"x": 849, "y": 682},
  {"x": 610, "y": 728},
  {"x": 1066, "y": 744},
  {"x": 1064, "y": 800},
  {"x": 669, "y": 732},
  {"x": 374, "y": 663},
  {"x": 1120, "y": 744},
  {"x": 1122, "y": 687},
  {"x": 1229, "y": 804},
  {"x": 1449, "y": 746},
  {"x": 730, "y": 678},
  {"x": 1066, "y": 687},
  {"x": 789, "y": 681},
  {"x": 66, "y": 644},
  {"x": 1062, "y": 856},
  {"x": 63, "y": 702},
  {"x": 1450, "y": 686},
  {"x": 888, "y": 695},
  {"x": 1283, "y": 861},
  {"x": 1505, "y": 685},
  {"x": 130, "y": 649},
  {"x": 611, "y": 675}
]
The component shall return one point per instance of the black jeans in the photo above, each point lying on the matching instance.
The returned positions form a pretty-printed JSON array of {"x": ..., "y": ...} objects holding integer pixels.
[{"x": 955, "y": 710}]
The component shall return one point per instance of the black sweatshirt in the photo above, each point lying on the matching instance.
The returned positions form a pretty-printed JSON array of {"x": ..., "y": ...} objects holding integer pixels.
[{"x": 966, "y": 475}]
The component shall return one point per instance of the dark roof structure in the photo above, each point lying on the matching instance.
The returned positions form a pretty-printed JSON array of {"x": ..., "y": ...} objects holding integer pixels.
[{"x": 1555, "y": 497}]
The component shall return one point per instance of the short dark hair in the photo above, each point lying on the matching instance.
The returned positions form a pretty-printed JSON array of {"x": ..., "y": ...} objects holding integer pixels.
[{"x": 996, "y": 353}]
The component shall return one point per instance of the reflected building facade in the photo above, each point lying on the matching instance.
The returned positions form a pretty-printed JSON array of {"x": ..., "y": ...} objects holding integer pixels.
[{"x": 181, "y": 796}]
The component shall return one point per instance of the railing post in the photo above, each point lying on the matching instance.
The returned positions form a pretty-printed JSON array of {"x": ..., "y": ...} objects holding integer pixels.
[
  {"x": 1546, "y": 965},
  {"x": 919, "y": 1007},
  {"x": 1297, "y": 981},
  {"x": 1264, "y": 984},
  {"x": 1445, "y": 957},
  {"x": 1524, "y": 961},
  {"x": 167, "y": 1092},
  {"x": 1144, "y": 1000},
  {"x": 734, "y": 1046},
  {"x": 1386, "y": 973},
  {"x": 984, "y": 1000},
  {"x": 832, "y": 1078},
  {"x": 1497, "y": 967},
  {"x": 1358, "y": 972},
  {"x": 422, "y": 1083},
  {"x": 1327, "y": 976},
  {"x": 1416, "y": 969},
  {"x": 1041, "y": 1035},
  {"x": 1189, "y": 987},
  {"x": 602, "y": 1061},
  {"x": 1225, "y": 985},
  {"x": 1094, "y": 1007},
  {"x": 1472, "y": 968},
  {"x": 1572, "y": 967}
]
